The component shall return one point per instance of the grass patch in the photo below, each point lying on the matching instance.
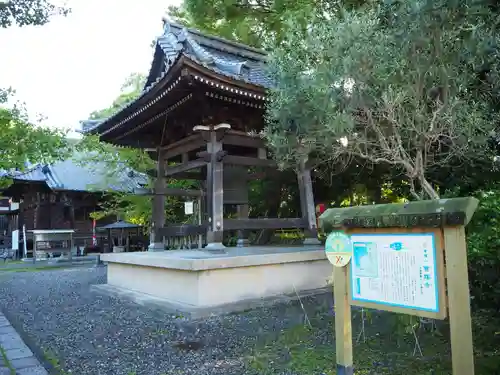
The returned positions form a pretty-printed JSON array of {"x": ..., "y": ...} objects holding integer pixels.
[
  {"x": 311, "y": 350},
  {"x": 3, "y": 355},
  {"x": 51, "y": 358},
  {"x": 13, "y": 262}
]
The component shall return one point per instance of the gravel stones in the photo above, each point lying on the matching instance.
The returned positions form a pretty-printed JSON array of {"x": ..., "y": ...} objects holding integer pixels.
[{"x": 93, "y": 334}]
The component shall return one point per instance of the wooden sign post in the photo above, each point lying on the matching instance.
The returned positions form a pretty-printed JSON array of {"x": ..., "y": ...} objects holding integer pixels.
[{"x": 405, "y": 258}]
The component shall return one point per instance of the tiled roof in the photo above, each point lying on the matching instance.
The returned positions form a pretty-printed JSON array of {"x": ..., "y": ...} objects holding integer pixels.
[
  {"x": 89, "y": 124},
  {"x": 72, "y": 175},
  {"x": 224, "y": 57}
]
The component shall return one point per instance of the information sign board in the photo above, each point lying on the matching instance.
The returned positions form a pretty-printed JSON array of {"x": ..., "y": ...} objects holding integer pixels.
[{"x": 397, "y": 271}]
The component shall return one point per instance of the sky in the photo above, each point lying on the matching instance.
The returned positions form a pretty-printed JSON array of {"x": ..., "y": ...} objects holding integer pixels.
[{"x": 76, "y": 64}]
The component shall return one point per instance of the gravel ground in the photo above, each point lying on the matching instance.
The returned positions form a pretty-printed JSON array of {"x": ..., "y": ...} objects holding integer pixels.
[{"x": 98, "y": 335}]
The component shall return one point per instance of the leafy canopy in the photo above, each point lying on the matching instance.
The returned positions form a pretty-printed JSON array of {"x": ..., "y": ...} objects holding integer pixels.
[
  {"x": 22, "y": 142},
  {"x": 28, "y": 12},
  {"x": 117, "y": 164},
  {"x": 259, "y": 23},
  {"x": 396, "y": 84}
]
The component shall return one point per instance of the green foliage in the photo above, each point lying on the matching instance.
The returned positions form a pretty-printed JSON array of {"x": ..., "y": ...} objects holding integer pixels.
[
  {"x": 258, "y": 24},
  {"x": 3, "y": 356},
  {"x": 22, "y": 142},
  {"x": 311, "y": 350},
  {"x": 54, "y": 361},
  {"x": 483, "y": 245},
  {"x": 117, "y": 164},
  {"x": 28, "y": 12},
  {"x": 395, "y": 84},
  {"x": 119, "y": 160}
]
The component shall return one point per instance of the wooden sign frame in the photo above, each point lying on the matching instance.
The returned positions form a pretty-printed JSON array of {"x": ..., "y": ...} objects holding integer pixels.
[
  {"x": 442, "y": 305},
  {"x": 446, "y": 219}
]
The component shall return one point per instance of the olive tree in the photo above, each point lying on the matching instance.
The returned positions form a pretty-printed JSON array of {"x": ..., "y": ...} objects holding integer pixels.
[{"x": 395, "y": 84}]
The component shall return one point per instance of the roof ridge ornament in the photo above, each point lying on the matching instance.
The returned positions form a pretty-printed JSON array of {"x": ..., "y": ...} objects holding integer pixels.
[
  {"x": 176, "y": 44},
  {"x": 201, "y": 53},
  {"x": 166, "y": 24},
  {"x": 206, "y": 57},
  {"x": 232, "y": 67}
]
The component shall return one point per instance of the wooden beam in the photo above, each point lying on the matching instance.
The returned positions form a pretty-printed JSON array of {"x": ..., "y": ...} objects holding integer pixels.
[
  {"x": 287, "y": 223},
  {"x": 174, "y": 192},
  {"x": 188, "y": 176},
  {"x": 190, "y": 143},
  {"x": 249, "y": 162},
  {"x": 244, "y": 140},
  {"x": 207, "y": 156},
  {"x": 181, "y": 230},
  {"x": 171, "y": 171},
  {"x": 180, "y": 175}
]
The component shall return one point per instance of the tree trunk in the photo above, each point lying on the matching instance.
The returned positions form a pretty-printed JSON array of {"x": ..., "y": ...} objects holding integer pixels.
[{"x": 428, "y": 189}]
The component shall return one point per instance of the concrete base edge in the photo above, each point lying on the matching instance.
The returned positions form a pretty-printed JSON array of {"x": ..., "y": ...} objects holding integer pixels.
[{"x": 195, "y": 312}]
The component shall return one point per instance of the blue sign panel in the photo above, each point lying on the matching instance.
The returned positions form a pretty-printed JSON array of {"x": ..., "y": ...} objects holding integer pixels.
[{"x": 395, "y": 270}]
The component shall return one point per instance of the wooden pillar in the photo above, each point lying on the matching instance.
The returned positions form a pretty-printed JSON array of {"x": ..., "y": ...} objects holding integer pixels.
[
  {"x": 72, "y": 214},
  {"x": 242, "y": 234},
  {"x": 462, "y": 350},
  {"x": 158, "y": 212},
  {"x": 343, "y": 325},
  {"x": 307, "y": 204},
  {"x": 215, "y": 193},
  {"x": 36, "y": 213}
]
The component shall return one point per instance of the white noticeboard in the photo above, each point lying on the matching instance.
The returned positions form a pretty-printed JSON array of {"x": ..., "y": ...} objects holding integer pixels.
[
  {"x": 15, "y": 239},
  {"x": 398, "y": 270},
  {"x": 189, "y": 208}
]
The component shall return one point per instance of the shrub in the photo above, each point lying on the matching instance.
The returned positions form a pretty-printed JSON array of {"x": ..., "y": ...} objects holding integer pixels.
[{"x": 483, "y": 240}]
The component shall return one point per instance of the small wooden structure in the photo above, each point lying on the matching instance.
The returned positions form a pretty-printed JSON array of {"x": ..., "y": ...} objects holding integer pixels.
[
  {"x": 406, "y": 258},
  {"x": 124, "y": 230},
  {"x": 47, "y": 243}
]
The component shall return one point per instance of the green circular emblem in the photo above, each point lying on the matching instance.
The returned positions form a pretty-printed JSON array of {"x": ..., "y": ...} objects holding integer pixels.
[{"x": 338, "y": 248}]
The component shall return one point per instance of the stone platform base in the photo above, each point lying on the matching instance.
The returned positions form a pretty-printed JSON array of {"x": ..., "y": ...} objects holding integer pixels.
[
  {"x": 194, "y": 312},
  {"x": 201, "y": 283}
]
